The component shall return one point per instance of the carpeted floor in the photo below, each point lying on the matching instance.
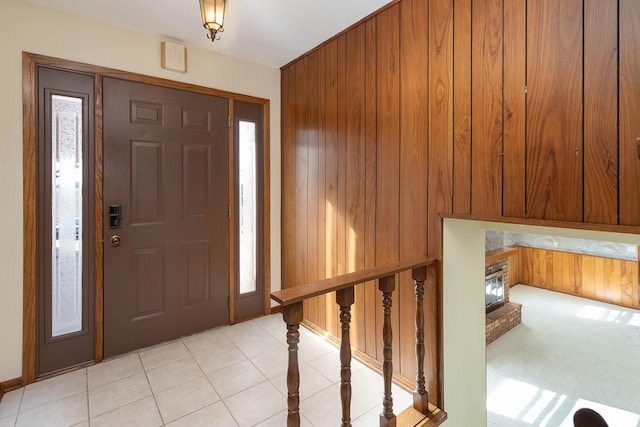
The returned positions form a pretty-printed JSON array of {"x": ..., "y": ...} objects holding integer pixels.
[{"x": 568, "y": 353}]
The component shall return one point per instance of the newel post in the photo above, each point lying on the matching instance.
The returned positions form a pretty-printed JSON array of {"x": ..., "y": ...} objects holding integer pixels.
[
  {"x": 345, "y": 299},
  {"x": 292, "y": 315},
  {"x": 420, "y": 395},
  {"x": 387, "y": 285}
]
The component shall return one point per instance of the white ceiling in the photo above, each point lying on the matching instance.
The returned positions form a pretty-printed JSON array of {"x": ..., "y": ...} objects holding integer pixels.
[{"x": 271, "y": 32}]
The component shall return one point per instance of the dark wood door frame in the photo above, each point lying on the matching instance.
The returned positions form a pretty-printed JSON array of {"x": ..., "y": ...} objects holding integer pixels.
[{"x": 30, "y": 64}]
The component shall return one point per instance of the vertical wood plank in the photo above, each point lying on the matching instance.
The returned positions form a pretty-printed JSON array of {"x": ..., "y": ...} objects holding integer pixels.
[
  {"x": 577, "y": 274},
  {"x": 540, "y": 271},
  {"x": 588, "y": 276},
  {"x": 440, "y": 119},
  {"x": 568, "y": 276},
  {"x": 514, "y": 269},
  {"x": 387, "y": 184},
  {"x": 549, "y": 269},
  {"x": 440, "y": 157},
  {"x": 613, "y": 277},
  {"x": 355, "y": 173},
  {"x": 558, "y": 266},
  {"x": 554, "y": 110},
  {"x": 288, "y": 174},
  {"x": 526, "y": 266},
  {"x": 629, "y": 106},
  {"x": 371, "y": 307},
  {"x": 413, "y": 159},
  {"x": 486, "y": 100},
  {"x": 322, "y": 181},
  {"x": 600, "y": 278},
  {"x": 331, "y": 177},
  {"x": 301, "y": 167},
  {"x": 342, "y": 158},
  {"x": 462, "y": 107},
  {"x": 312, "y": 179},
  {"x": 601, "y": 111},
  {"x": 514, "y": 113},
  {"x": 627, "y": 283}
]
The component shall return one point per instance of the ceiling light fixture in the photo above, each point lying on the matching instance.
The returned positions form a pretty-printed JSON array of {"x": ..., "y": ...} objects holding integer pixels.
[{"x": 213, "y": 17}]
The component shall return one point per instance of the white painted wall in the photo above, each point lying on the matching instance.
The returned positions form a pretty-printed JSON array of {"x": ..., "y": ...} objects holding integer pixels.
[
  {"x": 31, "y": 28},
  {"x": 465, "y": 387}
]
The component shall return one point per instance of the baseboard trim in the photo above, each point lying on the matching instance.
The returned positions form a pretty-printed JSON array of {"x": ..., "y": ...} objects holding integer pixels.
[
  {"x": 9, "y": 385},
  {"x": 276, "y": 309}
]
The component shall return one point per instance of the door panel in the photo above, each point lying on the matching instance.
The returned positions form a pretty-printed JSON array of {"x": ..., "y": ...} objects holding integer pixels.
[{"x": 165, "y": 164}]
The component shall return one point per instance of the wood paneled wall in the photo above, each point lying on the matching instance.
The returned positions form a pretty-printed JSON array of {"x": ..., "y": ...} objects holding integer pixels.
[
  {"x": 501, "y": 108},
  {"x": 604, "y": 279}
]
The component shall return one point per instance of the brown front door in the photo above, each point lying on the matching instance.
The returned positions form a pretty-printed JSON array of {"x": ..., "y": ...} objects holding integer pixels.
[{"x": 166, "y": 258}]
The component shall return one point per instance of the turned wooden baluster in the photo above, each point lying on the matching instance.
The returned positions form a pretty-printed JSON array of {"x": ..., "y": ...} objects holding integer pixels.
[
  {"x": 420, "y": 395},
  {"x": 344, "y": 298},
  {"x": 292, "y": 315},
  {"x": 387, "y": 285}
]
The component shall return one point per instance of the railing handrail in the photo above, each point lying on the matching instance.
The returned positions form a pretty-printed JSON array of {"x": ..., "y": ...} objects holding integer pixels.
[
  {"x": 292, "y": 299},
  {"x": 300, "y": 293}
]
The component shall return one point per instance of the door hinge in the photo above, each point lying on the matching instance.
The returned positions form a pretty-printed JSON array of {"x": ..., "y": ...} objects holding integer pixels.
[
  {"x": 229, "y": 120},
  {"x": 526, "y": 89},
  {"x": 229, "y": 303},
  {"x": 229, "y": 211}
]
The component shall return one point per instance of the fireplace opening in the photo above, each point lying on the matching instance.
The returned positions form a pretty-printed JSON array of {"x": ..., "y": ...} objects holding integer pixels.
[{"x": 494, "y": 285}]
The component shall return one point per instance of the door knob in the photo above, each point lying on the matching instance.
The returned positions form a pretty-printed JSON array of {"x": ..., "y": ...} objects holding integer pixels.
[{"x": 115, "y": 241}]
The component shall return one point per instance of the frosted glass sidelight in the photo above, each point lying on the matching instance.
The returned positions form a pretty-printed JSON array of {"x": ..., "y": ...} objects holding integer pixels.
[
  {"x": 248, "y": 201},
  {"x": 66, "y": 215}
]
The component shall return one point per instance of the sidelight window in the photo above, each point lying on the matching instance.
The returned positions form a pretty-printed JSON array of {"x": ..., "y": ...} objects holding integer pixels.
[
  {"x": 66, "y": 215},
  {"x": 248, "y": 207}
]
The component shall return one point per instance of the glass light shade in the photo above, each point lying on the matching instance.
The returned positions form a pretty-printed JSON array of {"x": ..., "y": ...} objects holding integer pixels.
[{"x": 213, "y": 16}]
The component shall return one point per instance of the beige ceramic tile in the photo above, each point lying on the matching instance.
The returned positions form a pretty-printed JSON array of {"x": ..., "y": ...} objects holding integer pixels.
[
  {"x": 114, "y": 370},
  {"x": 9, "y": 421},
  {"x": 264, "y": 402},
  {"x": 62, "y": 412},
  {"x": 11, "y": 403},
  {"x": 186, "y": 398},
  {"x": 163, "y": 354},
  {"x": 205, "y": 341},
  {"x": 312, "y": 346},
  {"x": 329, "y": 366},
  {"x": 273, "y": 362},
  {"x": 43, "y": 392},
  {"x": 272, "y": 322},
  {"x": 280, "y": 420},
  {"x": 325, "y": 408},
  {"x": 82, "y": 424},
  {"x": 173, "y": 374},
  {"x": 236, "y": 378},
  {"x": 254, "y": 341},
  {"x": 368, "y": 419},
  {"x": 142, "y": 413},
  {"x": 117, "y": 394},
  {"x": 215, "y": 415},
  {"x": 368, "y": 389},
  {"x": 220, "y": 357}
]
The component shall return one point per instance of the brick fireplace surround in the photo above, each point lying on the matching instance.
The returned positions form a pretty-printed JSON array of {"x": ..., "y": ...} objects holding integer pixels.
[{"x": 505, "y": 318}]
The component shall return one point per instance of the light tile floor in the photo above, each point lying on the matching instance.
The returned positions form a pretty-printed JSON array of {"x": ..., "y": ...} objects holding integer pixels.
[{"x": 228, "y": 376}]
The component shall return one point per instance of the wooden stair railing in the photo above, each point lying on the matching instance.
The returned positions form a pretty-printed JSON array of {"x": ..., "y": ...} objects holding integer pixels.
[{"x": 422, "y": 413}]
